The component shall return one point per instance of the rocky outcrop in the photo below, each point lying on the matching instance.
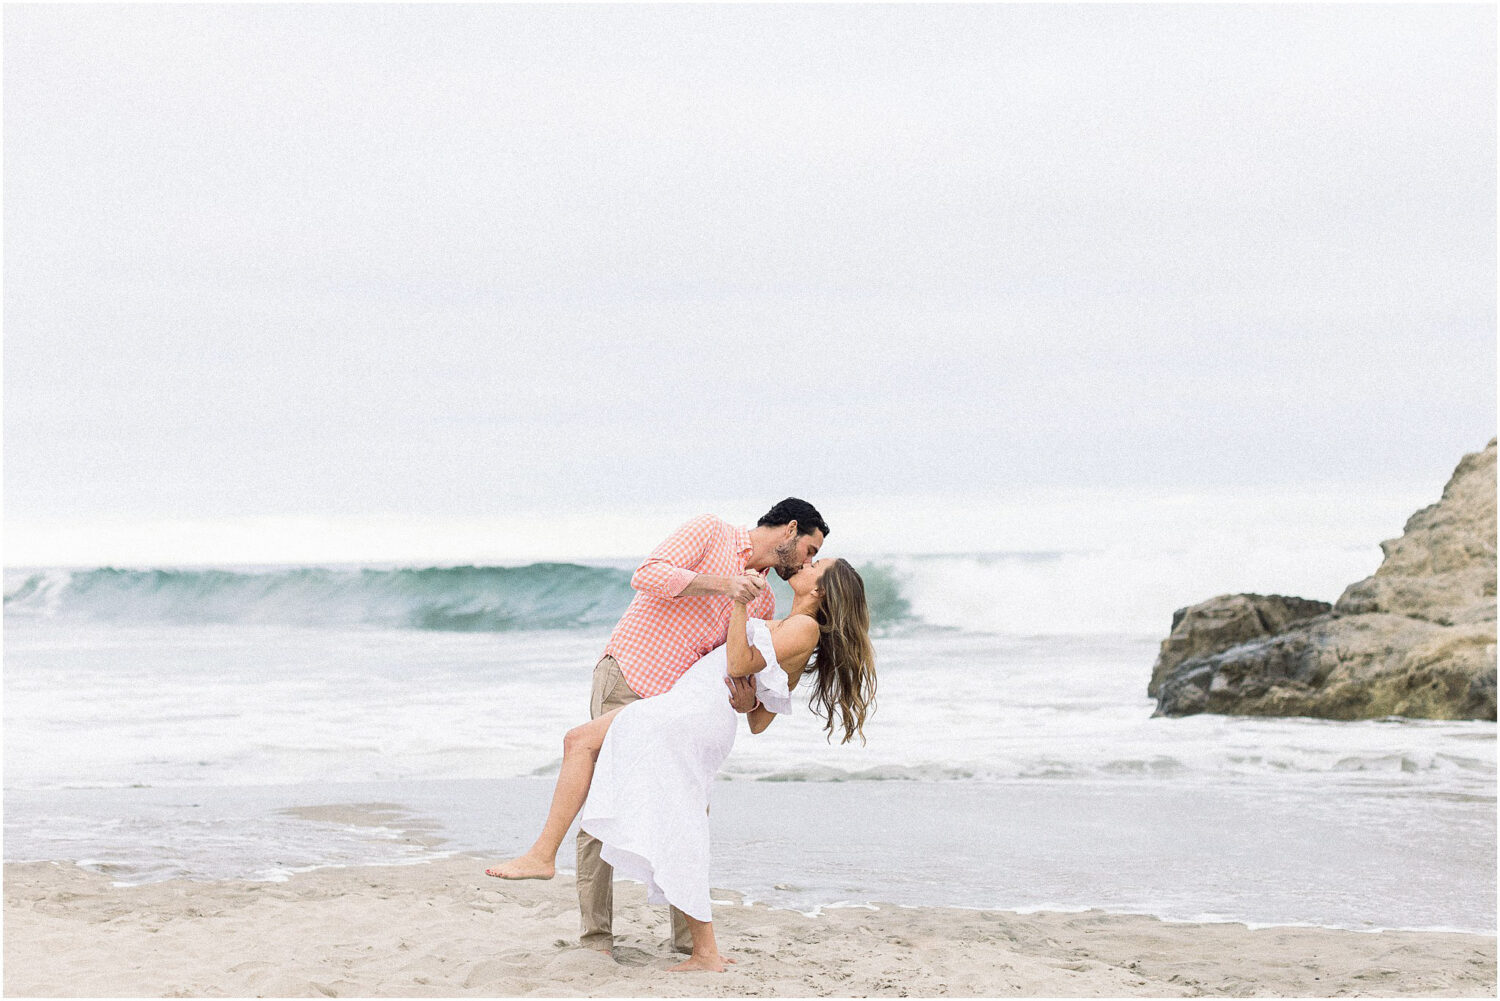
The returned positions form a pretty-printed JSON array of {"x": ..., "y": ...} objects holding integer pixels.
[
  {"x": 1229, "y": 620},
  {"x": 1442, "y": 569},
  {"x": 1417, "y": 638}
]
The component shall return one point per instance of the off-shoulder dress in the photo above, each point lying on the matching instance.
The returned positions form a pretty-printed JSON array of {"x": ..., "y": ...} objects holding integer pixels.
[{"x": 648, "y": 802}]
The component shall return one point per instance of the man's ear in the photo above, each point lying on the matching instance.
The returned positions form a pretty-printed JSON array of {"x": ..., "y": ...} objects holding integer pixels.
[{"x": 793, "y": 526}]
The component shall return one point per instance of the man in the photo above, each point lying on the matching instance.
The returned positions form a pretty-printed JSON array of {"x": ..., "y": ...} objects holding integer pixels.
[{"x": 684, "y": 592}]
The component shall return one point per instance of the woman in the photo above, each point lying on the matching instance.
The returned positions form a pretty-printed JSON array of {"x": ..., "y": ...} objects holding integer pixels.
[{"x": 657, "y": 757}]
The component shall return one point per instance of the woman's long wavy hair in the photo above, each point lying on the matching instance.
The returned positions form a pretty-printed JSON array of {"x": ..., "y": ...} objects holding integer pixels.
[{"x": 843, "y": 666}]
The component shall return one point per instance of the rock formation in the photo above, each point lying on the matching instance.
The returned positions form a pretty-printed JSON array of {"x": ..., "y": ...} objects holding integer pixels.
[
  {"x": 1417, "y": 638},
  {"x": 1229, "y": 620}
]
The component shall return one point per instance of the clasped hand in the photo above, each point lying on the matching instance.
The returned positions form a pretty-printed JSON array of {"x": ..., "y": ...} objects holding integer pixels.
[
  {"x": 741, "y": 694},
  {"x": 746, "y": 587}
]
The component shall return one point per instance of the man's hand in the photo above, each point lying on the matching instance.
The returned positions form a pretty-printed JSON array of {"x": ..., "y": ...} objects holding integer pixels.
[
  {"x": 745, "y": 587},
  {"x": 742, "y": 694}
]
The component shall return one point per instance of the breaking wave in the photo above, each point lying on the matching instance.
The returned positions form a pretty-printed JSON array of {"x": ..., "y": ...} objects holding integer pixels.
[
  {"x": 453, "y": 599},
  {"x": 1127, "y": 589}
]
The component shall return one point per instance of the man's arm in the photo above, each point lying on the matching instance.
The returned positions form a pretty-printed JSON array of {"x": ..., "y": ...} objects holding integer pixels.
[
  {"x": 671, "y": 569},
  {"x": 745, "y": 586}
]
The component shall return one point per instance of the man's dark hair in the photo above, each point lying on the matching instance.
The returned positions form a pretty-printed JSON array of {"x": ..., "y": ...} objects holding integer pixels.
[{"x": 795, "y": 509}]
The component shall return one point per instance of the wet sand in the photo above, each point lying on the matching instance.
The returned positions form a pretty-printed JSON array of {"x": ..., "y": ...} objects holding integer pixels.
[{"x": 443, "y": 928}]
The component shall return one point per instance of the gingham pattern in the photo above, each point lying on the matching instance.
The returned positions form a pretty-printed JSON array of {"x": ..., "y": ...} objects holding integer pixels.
[{"x": 662, "y": 635}]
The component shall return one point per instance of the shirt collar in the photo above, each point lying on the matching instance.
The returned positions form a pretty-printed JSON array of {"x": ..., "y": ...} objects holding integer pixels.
[{"x": 742, "y": 541}]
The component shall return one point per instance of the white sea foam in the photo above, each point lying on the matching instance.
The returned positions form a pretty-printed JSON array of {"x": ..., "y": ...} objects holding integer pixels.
[
  {"x": 1008, "y": 678},
  {"x": 1122, "y": 589},
  {"x": 237, "y": 705}
]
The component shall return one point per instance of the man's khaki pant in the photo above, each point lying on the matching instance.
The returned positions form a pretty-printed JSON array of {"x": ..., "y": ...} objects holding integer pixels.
[{"x": 596, "y": 891}]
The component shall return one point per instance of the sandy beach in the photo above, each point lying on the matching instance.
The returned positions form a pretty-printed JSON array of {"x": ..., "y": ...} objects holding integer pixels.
[{"x": 443, "y": 928}]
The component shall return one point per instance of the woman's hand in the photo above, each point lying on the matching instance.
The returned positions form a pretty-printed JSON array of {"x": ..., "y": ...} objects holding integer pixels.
[{"x": 746, "y": 587}]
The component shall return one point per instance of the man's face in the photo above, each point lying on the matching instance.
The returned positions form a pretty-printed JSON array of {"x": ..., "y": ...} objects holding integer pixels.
[{"x": 796, "y": 550}]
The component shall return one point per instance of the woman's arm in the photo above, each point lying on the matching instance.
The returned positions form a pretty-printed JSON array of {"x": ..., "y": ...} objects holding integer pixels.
[
  {"x": 760, "y": 717},
  {"x": 795, "y": 640},
  {"x": 743, "y": 659}
]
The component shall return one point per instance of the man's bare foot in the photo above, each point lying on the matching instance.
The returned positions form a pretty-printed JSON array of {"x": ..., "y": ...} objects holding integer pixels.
[
  {"x": 525, "y": 867},
  {"x": 701, "y": 964}
]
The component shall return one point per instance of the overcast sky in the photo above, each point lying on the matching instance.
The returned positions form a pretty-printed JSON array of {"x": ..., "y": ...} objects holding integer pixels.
[{"x": 454, "y": 262}]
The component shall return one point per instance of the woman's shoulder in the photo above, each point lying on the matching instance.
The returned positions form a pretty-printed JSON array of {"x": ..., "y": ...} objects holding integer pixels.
[
  {"x": 796, "y": 632},
  {"x": 797, "y": 620}
]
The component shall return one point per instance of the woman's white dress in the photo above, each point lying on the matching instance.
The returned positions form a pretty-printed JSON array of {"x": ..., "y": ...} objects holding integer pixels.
[{"x": 648, "y": 802}]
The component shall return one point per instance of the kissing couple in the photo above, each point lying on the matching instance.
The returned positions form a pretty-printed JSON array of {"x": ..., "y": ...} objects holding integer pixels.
[{"x": 637, "y": 777}]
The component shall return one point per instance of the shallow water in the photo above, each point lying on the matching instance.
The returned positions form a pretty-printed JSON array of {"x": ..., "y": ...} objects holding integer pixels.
[
  {"x": 1155, "y": 848},
  {"x": 1001, "y": 771}
]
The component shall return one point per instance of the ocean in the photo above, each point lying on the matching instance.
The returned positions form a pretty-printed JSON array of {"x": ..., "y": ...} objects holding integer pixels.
[{"x": 256, "y": 721}]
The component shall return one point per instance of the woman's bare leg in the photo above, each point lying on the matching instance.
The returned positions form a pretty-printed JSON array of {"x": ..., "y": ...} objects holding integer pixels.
[
  {"x": 705, "y": 955},
  {"x": 580, "y": 751}
]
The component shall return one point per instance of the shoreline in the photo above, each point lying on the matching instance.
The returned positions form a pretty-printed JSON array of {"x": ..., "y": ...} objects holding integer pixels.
[
  {"x": 1263, "y": 858},
  {"x": 440, "y": 928},
  {"x": 818, "y": 910}
]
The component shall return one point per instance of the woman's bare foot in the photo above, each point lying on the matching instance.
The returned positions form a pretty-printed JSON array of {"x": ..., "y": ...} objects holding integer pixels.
[
  {"x": 702, "y": 964},
  {"x": 526, "y": 867}
]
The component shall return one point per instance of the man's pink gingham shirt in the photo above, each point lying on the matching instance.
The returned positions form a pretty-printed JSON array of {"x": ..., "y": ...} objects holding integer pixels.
[{"x": 662, "y": 635}]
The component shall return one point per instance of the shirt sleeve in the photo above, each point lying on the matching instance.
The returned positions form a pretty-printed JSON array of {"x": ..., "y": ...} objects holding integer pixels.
[{"x": 673, "y": 564}]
